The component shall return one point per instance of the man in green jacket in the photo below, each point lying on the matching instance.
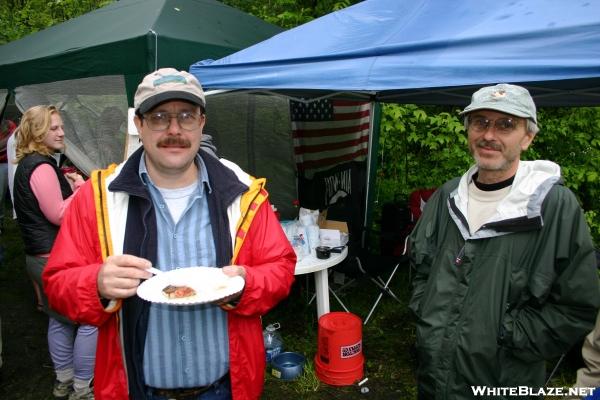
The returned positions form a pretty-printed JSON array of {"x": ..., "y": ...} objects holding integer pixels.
[{"x": 505, "y": 270}]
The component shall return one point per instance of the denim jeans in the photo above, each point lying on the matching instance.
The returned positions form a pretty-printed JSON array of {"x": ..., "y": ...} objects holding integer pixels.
[{"x": 220, "y": 391}]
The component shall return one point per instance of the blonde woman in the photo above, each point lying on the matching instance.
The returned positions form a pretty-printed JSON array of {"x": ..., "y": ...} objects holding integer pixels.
[{"x": 41, "y": 195}]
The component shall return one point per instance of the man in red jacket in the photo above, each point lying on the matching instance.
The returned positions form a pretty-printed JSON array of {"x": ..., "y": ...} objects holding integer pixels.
[{"x": 171, "y": 206}]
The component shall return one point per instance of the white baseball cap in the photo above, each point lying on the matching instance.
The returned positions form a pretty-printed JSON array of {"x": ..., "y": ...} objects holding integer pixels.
[{"x": 167, "y": 84}]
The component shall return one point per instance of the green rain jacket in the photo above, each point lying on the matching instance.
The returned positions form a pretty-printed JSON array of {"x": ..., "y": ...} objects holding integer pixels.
[{"x": 492, "y": 305}]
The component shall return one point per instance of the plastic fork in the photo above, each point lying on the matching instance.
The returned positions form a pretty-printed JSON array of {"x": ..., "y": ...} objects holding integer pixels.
[{"x": 154, "y": 271}]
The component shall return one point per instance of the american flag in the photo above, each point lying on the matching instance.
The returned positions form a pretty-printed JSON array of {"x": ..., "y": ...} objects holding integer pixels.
[{"x": 329, "y": 132}]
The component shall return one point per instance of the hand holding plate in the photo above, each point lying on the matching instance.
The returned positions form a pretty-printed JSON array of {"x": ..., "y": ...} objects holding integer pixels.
[
  {"x": 227, "y": 303},
  {"x": 234, "y": 270}
]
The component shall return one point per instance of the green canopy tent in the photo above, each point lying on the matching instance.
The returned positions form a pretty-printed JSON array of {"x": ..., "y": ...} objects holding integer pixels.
[
  {"x": 130, "y": 38},
  {"x": 90, "y": 66}
]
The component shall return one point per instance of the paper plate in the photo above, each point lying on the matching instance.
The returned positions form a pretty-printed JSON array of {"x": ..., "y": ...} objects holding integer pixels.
[{"x": 210, "y": 284}]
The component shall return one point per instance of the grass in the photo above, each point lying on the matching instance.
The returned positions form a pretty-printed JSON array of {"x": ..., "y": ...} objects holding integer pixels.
[
  {"x": 387, "y": 338},
  {"x": 387, "y": 341}
]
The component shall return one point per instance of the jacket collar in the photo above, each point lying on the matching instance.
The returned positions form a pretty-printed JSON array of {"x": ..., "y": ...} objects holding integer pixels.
[
  {"x": 223, "y": 180},
  {"x": 520, "y": 210},
  {"x": 128, "y": 179}
]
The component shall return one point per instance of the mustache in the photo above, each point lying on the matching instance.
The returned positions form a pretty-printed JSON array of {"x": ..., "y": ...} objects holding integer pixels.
[
  {"x": 172, "y": 141},
  {"x": 488, "y": 144}
]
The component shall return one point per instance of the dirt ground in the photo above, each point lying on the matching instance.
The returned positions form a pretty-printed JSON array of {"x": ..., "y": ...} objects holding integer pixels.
[{"x": 27, "y": 372}]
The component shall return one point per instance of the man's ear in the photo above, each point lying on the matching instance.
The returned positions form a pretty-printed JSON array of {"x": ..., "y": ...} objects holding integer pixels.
[
  {"x": 527, "y": 140},
  {"x": 138, "y": 123}
]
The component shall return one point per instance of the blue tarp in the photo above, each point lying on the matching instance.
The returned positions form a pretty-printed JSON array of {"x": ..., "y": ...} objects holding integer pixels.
[{"x": 427, "y": 51}]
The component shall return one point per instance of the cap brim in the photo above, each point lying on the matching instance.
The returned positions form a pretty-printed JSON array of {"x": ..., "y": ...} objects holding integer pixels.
[
  {"x": 494, "y": 107},
  {"x": 155, "y": 100}
]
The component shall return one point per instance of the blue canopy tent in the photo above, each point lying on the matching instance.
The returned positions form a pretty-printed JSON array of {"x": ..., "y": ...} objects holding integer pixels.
[{"x": 426, "y": 52}]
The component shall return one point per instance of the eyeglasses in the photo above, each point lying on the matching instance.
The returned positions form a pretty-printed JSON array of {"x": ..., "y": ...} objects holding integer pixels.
[
  {"x": 160, "y": 121},
  {"x": 502, "y": 125}
]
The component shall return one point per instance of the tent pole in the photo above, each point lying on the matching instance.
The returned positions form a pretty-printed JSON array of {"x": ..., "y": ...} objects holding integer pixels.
[
  {"x": 250, "y": 118},
  {"x": 371, "y": 168},
  {"x": 155, "y": 48}
]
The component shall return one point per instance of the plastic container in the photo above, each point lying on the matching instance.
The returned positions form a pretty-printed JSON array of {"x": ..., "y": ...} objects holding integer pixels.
[
  {"x": 339, "y": 360},
  {"x": 273, "y": 341},
  {"x": 288, "y": 365}
]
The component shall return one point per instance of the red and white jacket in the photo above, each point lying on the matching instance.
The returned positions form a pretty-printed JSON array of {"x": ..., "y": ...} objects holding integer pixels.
[{"x": 113, "y": 214}]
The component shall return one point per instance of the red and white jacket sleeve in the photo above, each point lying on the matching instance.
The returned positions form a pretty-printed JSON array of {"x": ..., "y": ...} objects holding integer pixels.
[
  {"x": 70, "y": 276},
  {"x": 270, "y": 262}
]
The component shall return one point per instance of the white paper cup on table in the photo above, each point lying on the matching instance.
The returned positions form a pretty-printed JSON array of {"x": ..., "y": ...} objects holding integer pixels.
[
  {"x": 308, "y": 217},
  {"x": 305, "y": 220},
  {"x": 312, "y": 234}
]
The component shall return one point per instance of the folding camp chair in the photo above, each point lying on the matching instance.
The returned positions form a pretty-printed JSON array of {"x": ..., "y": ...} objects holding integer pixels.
[
  {"x": 397, "y": 221},
  {"x": 374, "y": 266},
  {"x": 562, "y": 356}
]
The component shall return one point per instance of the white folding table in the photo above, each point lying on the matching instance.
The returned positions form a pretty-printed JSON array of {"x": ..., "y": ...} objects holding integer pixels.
[{"x": 317, "y": 266}]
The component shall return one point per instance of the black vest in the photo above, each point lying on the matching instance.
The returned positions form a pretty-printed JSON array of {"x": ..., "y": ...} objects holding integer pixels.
[{"x": 38, "y": 233}]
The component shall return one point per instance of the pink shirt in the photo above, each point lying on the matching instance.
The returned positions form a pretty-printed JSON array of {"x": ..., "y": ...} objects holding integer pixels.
[{"x": 46, "y": 188}]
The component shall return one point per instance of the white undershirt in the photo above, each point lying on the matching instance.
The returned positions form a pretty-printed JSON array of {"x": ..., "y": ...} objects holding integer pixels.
[
  {"x": 482, "y": 205},
  {"x": 178, "y": 199}
]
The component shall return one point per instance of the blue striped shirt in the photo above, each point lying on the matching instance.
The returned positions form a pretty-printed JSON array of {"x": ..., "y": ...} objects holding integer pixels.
[{"x": 186, "y": 346}]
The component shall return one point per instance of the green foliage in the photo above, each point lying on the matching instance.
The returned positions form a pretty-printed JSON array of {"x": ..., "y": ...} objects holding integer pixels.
[
  {"x": 570, "y": 138},
  {"x": 19, "y": 18},
  {"x": 419, "y": 147},
  {"x": 593, "y": 219},
  {"x": 289, "y": 13},
  {"x": 425, "y": 146}
]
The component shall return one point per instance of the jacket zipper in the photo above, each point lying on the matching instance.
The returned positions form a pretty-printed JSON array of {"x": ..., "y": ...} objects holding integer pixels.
[{"x": 458, "y": 260}]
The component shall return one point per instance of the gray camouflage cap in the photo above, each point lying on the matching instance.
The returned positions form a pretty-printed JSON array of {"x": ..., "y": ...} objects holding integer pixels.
[
  {"x": 167, "y": 84},
  {"x": 510, "y": 99}
]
